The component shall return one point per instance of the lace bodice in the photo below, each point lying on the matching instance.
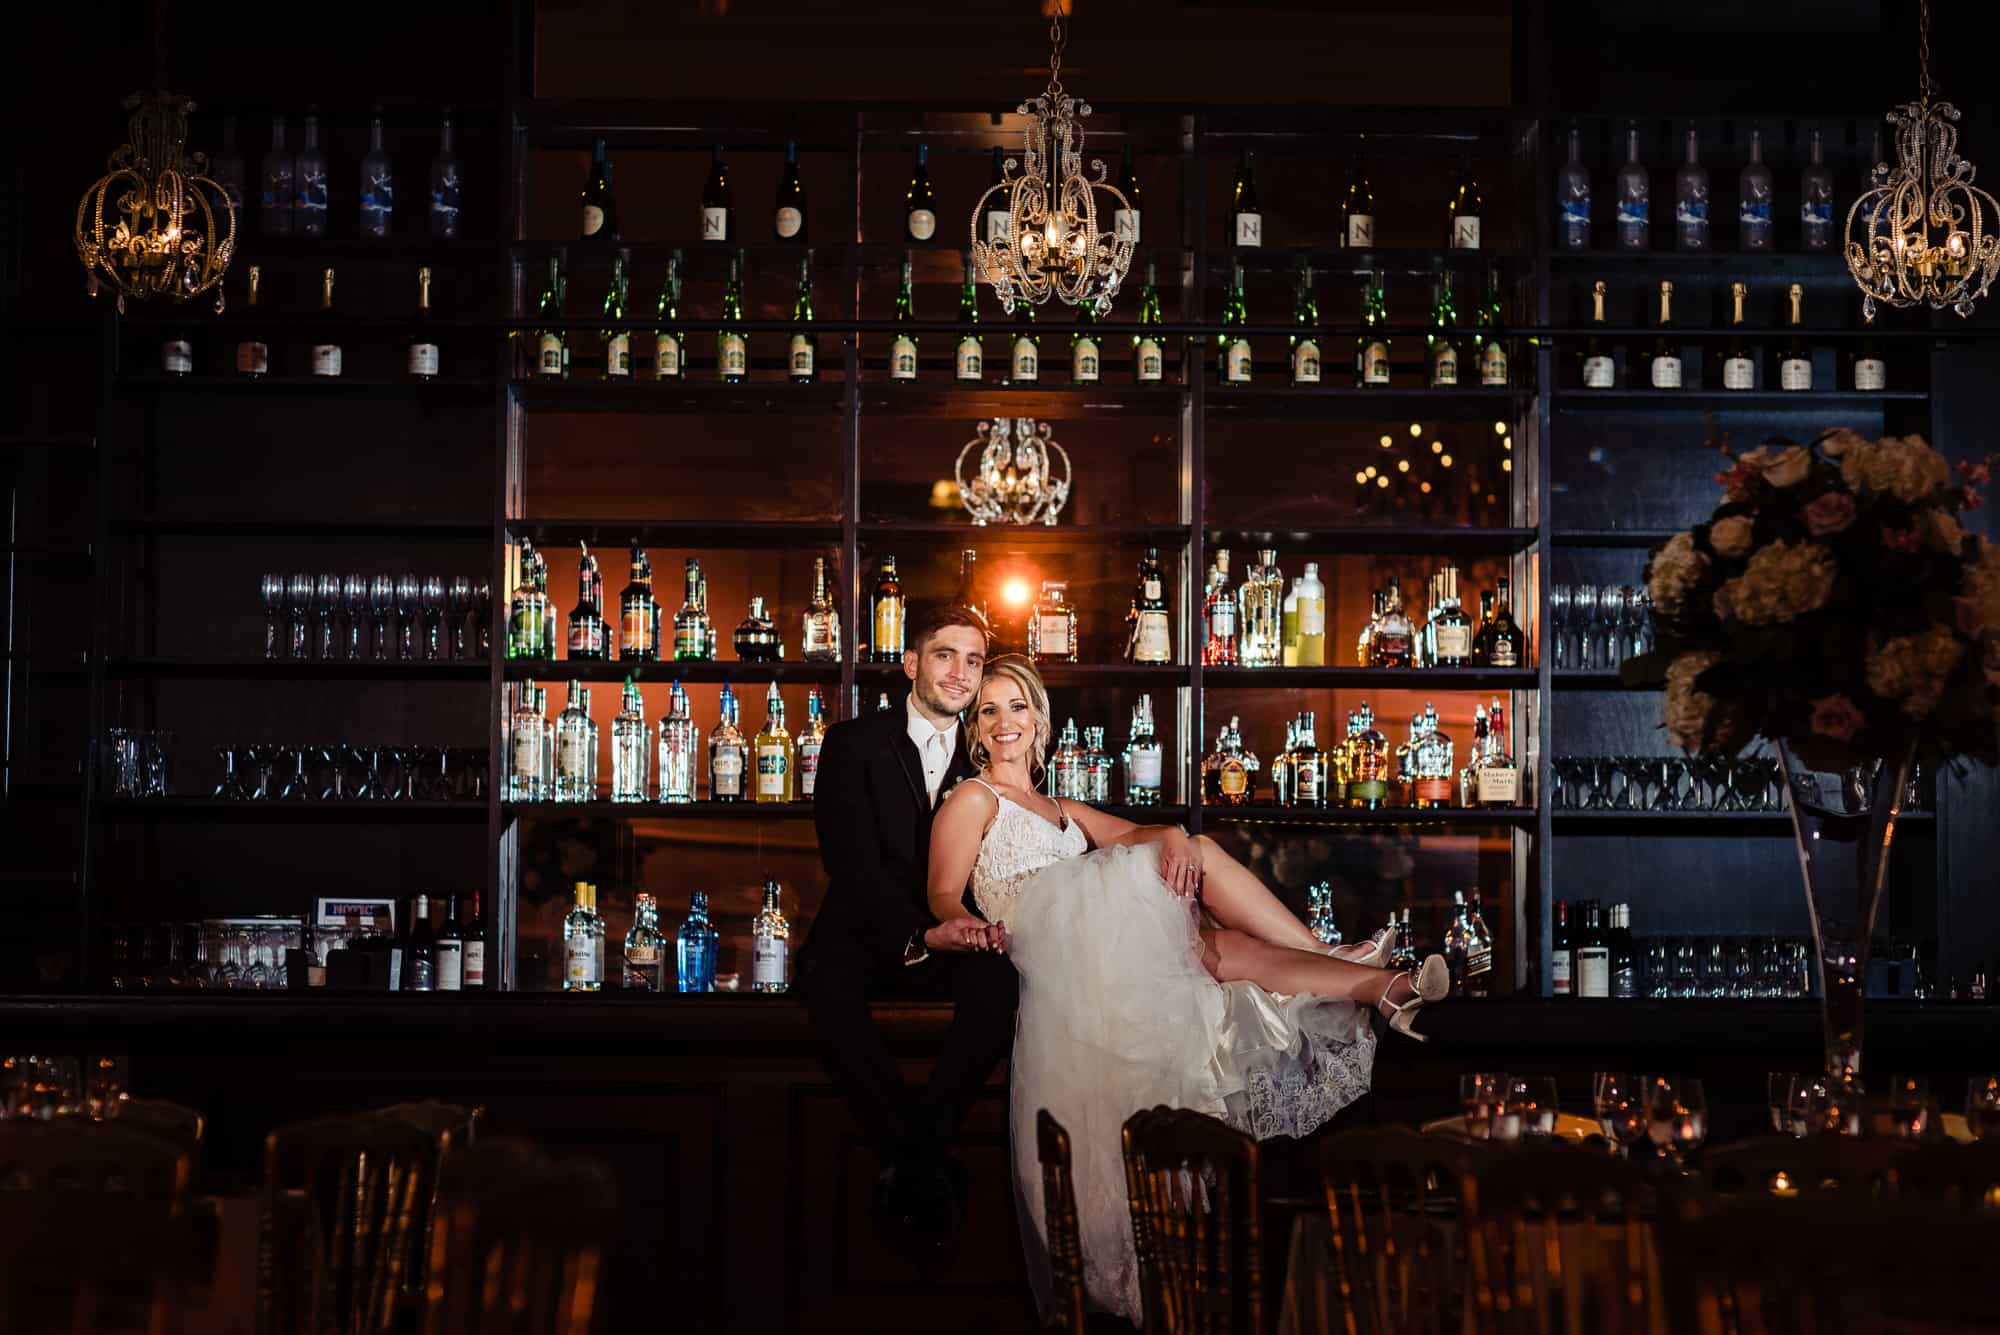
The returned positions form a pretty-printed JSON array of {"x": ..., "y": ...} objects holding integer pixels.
[{"x": 1018, "y": 844}]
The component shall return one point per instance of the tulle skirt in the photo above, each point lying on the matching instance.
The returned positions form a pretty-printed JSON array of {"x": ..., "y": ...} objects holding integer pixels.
[{"x": 1117, "y": 1014}]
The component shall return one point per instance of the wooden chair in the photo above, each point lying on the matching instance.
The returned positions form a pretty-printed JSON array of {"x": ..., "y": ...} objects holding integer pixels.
[
  {"x": 519, "y": 1244},
  {"x": 456, "y": 1120},
  {"x": 342, "y": 1223},
  {"x": 1558, "y": 1243},
  {"x": 1811, "y": 1166},
  {"x": 173, "y": 1122},
  {"x": 75, "y": 1154},
  {"x": 86, "y": 1263},
  {"x": 1194, "y": 1194},
  {"x": 1065, "y": 1234},
  {"x": 1392, "y": 1197},
  {"x": 1965, "y": 1175}
]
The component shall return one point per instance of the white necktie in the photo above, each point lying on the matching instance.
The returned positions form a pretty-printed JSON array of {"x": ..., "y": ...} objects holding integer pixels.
[{"x": 936, "y": 761}]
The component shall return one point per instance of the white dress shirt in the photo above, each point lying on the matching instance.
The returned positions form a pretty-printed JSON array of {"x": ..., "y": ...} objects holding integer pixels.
[{"x": 935, "y": 746}]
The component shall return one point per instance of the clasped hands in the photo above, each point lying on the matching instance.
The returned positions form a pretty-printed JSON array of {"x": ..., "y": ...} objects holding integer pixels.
[{"x": 969, "y": 934}]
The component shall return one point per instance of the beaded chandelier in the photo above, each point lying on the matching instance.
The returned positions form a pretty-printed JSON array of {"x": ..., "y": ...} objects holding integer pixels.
[
  {"x": 1015, "y": 482},
  {"x": 156, "y": 224}
]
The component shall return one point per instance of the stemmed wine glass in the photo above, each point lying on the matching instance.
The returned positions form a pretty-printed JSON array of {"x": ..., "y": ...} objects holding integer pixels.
[
  {"x": 298, "y": 598},
  {"x": 1587, "y": 604},
  {"x": 326, "y": 598},
  {"x": 1982, "y": 1105},
  {"x": 272, "y": 587},
  {"x": 1483, "y": 1095},
  {"x": 1621, "y": 1111},
  {"x": 1561, "y": 600},
  {"x": 482, "y": 607},
  {"x": 1532, "y": 1105},
  {"x": 381, "y": 602},
  {"x": 1676, "y": 1115},
  {"x": 354, "y": 593},
  {"x": 407, "y": 590},
  {"x": 459, "y": 599},
  {"x": 1911, "y": 1113},
  {"x": 433, "y": 596}
]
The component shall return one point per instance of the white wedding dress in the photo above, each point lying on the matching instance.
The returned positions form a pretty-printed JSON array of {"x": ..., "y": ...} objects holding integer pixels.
[{"x": 1117, "y": 1014}]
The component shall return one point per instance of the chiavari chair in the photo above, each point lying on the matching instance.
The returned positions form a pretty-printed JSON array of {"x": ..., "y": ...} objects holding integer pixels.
[
  {"x": 1064, "y": 1233},
  {"x": 1194, "y": 1194},
  {"x": 1394, "y": 1199},
  {"x": 1810, "y": 1166},
  {"x": 1558, "y": 1243}
]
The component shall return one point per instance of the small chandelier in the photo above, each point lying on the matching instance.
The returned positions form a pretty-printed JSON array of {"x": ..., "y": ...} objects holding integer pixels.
[
  {"x": 1926, "y": 230},
  {"x": 170, "y": 229},
  {"x": 1015, "y": 482},
  {"x": 1052, "y": 243}
]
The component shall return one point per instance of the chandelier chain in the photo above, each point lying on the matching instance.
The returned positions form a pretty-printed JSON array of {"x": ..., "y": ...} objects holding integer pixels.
[
  {"x": 1925, "y": 88},
  {"x": 1055, "y": 49}
]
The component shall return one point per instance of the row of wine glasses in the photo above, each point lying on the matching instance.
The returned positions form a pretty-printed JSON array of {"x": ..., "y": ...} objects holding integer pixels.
[
  {"x": 1743, "y": 968},
  {"x": 1595, "y": 627},
  {"x": 138, "y": 762},
  {"x": 1506, "y": 1109},
  {"x": 1667, "y": 1114},
  {"x": 1667, "y": 783},
  {"x": 1804, "y": 1104},
  {"x": 343, "y": 771},
  {"x": 406, "y": 617}
]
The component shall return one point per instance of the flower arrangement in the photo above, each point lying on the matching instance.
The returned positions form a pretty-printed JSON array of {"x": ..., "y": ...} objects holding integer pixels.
[{"x": 1834, "y": 603}]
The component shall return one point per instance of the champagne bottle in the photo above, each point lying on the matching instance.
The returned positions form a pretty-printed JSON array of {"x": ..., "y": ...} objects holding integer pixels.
[
  {"x": 999, "y": 202},
  {"x": 732, "y": 350},
  {"x": 1599, "y": 370},
  {"x": 1468, "y": 201},
  {"x": 423, "y": 354},
  {"x": 378, "y": 191},
  {"x": 903, "y": 348},
  {"x": 1148, "y": 357},
  {"x": 919, "y": 220},
  {"x": 1816, "y": 200},
  {"x": 667, "y": 345},
  {"x": 1233, "y": 360},
  {"x": 802, "y": 359},
  {"x": 969, "y": 364},
  {"x": 1085, "y": 361},
  {"x": 253, "y": 353},
  {"x": 788, "y": 216},
  {"x": 1152, "y": 631},
  {"x": 310, "y": 201},
  {"x": 1663, "y": 366},
  {"x": 1753, "y": 193},
  {"x": 326, "y": 349},
  {"x": 444, "y": 195},
  {"x": 1246, "y": 218},
  {"x": 1573, "y": 197},
  {"x": 1635, "y": 191},
  {"x": 598, "y": 219},
  {"x": 551, "y": 360},
  {"x": 1870, "y": 373},
  {"x": 1441, "y": 349},
  {"x": 1371, "y": 346},
  {"x": 1305, "y": 315},
  {"x": 1691, "y": 198},
  {"x": 1738, "y": 368},
  {"x": 1125, "y": 221},
  {"x": 1026, "y": 357},
  {"x": 617, "y": 338},
  {"x": 1357, "y": 209},
  {"x": 1795, "y": 370},
  {"x": 718, "y": 223}
]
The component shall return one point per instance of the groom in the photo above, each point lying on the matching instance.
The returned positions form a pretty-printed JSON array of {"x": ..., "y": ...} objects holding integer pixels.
[{"x": 880, "y": 777}]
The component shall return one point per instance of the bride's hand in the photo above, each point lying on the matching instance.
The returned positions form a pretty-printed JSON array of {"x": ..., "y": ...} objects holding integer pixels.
[
  {"x": 967, "y": 933},
  {"x": 1180, "y": 864}
]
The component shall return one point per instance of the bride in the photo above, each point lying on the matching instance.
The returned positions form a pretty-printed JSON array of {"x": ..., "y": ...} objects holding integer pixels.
[{"x": 1131, "y": 995}]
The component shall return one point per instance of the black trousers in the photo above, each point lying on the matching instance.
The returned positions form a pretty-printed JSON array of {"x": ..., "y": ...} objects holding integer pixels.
[{"x": 901, "y": 1124}]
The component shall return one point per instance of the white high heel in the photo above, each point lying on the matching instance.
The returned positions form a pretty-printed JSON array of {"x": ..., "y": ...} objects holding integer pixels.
[
  {"x": 1373, "y": 953},
  {"x": 1432, "y": 983}
]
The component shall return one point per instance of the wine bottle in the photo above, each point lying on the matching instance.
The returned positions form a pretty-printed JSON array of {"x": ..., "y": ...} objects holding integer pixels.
[
  {"x": 1357, "y": 209},
  {"x": 1233, "y": 352},
  {"x": 1085, "y": 361},
  {"x": 1440, "y": 348},
  {"x": 919, "y": 221},
  {"x": 423, "y": 355},
  {"x": 378, "y": 190},
  {"x": 599, "y": 217},
  {"x": 886, "y": 615},
  {"x": 1468, "y": 201},
  {"x": 1691, "y": 198},
  {"x": 326, "y": 349},
  {"x": 1246, "y": 218},
  {"x": 1305, "y": 315},
  {"x": 551, "y": 358},
  {"x": 276, "y": 177},
  {"x": 474, "y": 936},
  {"x": 1592, "y": 955},
  {"x": 1738, "y": 367},
  {"x": 1125, "y": 221},
  {"x": 718, "y": 223},
  {"x": 999, "y": 203},
  {"x": 1492, "y": 348},
  {"x": 1562, "y": 958},
  {"x": 1371, "y": 346},
  {"x": 732, "y": 351},
  {"x": 253, "y": 353},
  {"x": 1795, "y": 370},
  {"x": 1599, "y": 370},
  {"x": 1753, "y": 194},
  {"x": 1870, "y": 374},
  {"x": 1816, "y": 200},
  {"x": 802, "y": 359},
  {"x": 449, "y": 950},
  {"x": 1635, "y": 191},
  {"x": 420, "y": 950},
  {"x": 617, "y": 338},
  {"x": 903, "y": 348},
  {"x": 1152, "y": 632},
  {"x": 667, "y": 346},
  {"x": 309, "y": 199},
  {"x": 788, "y": 215},
  {"x": 1663, "y": 366},
  {"x": 969, "y": 363},
  {"x": 1148, "y": 358},
  {"x": 444, "y": 186},
  {"x": 1025, "y": 360},
  {"x": 1573, "y": 197}
]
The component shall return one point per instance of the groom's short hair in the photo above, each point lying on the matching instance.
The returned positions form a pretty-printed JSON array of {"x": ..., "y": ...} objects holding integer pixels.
[{"x": 940, "y": 615}]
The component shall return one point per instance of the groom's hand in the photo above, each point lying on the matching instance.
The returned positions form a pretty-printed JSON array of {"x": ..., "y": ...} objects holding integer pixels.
[{"x": 967, "y": 933}]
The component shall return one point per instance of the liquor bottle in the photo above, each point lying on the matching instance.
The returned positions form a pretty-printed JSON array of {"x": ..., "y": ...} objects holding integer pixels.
[
  {"x": 1468, "y": 776},
  {"x": 1739, "y": 367},
  {"x": 1288, "y": 627},
  {"x": 667, "y": 347},
  {"x": 773, "y": 750},
  {"x": 728, "y": 754},
  {"x": 1125, "y": 221},
  {"x": 1562, "y": 957},
  {"x": 1592, "y": 954},
  {"x": 617, "y": 338},
  {"x": 422, "y": 360},
  {"x": 1795, "y": 371},
  {"x": 1311, "y": 617},
  {"x": 449, "y": 950},
  {"x": 524, "y": 633},
  {"x": 690, "y": 622},
  {"x": 1066, "y": 764},
  {"x": 969, "y": 362},
  {"x": 1226, "y": 772},
  {"x": 573, "y": 750},
  {"x": 999, "y": 203},
  {"x": 718, "y": 212},
  {"x": 695, "y": 947},
  {"x": 820, "y": 636},
  {"x": 277, "y": 177},
  {"x": 1634, "y": 197},
  {"x": 1142, "y": 757},
  {"x": 1392, "y": 645},
  {"x": 644, "y": 947},
  {"x": 1097, "y": 766},
  {"x": 1599, "y": 370},
  {"x": 378, "y": 188},
  {"x": 788, "y": 211},
  {"x": 1282, "y": 791},
  {"x": 756, "y": 637},
  {"x": 1492, "y": 348},
  {"x": 1663, "y": 363},
  {"x": 1357, "y": 209},
  {"x": 309, "y": 199},
  {"x": 1152, "y": 632},
  {"x": 1364, "y": 645},
  {"x": 1506, "y": 645},
  {"x": 253, "y": 353},
  {"x": 1816, "y": 200},
  {"x": 885, "y": 610},
  {"x": 1371, "y": 346},
  {"x": 473, "y": 936},
  {"x": 967, "y": 596},
  {"x": 1233, "y": 350},
  {"x": 1440, "y": 348},
  {"x": 1499, "y": 779},
  {"x": 586, "y": 637},
  {"x": 326, "y": 350},
  {"x": 1025, "y": 358},
  {"x": 679, "y": 745},
  {"x": 919, "y": 220},
  {"x": 1870, "y": 373},
  {"x": 1149, "y": 362},
  {"x": 732, "y": 346},
  {"x": 1753, "y": 193},
  {"x": 590, "y": 750},
  {"x": 1218, "y": 615},
  {"x": 1449, "y": 631},
  {"x": 226, "y": 168},
  {"x": 1052, "y": 627},
  {"x": 1624, "y": 961},
  {"x": 1573, "y": 198},
  {"x": 551, "y": 356},
  {"x": 1479, "y": 959},
  {"x": 1305, "y": 315},
  {"x": 538, "y": 568},
  {"x": 580, "y": 972},
  {"x": 1085, "y": 362},
  {"x": 420, "y": 950},
  {"x": 903, "y": 349},
  {"x": 598, "y": 216},
  {"x": 597, "y": 931},
  {"x": 1691, "y": 199},
  {"x": 1246, "y": 216},
  {"x": 1468, "y": 201},
  {"x": 770, "y": 944},
  {"x": 444, "y": 187},
  {"x": 1403, "y": 955},
  {"x": 1435, "y": 773},
  {"x": 639, "y": 614},
  {"x": 806, "y": 746},
  {"x": 629, "y": 736},
  {"x": 1458, "y": 943},
  {"x": 1367, "y": 764},
  {"x": 1308, "y": 765}
]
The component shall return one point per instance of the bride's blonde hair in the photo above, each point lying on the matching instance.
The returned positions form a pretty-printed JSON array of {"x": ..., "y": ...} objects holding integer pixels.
[{"x": 1022, "y": 673}]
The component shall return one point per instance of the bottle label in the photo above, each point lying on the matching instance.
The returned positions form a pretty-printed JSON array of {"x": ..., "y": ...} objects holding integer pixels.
[
  {"x": 666, "y": 356},
  {"x": 1142, "y": 768},
  {"x": 1692, "y": 215},
  {"x": 1433, "y": 789},
  {"x": 177, "y": 356},
  {"x": 1152, "y": 366},
  {"x": 1236, "y": 363},
  {"x": 903, "y": 358},
  {"x": 1498, "y": 786},
  {"x": 889, "y": 625},
  {"x": 618, "y": 356},
  {"x": 586, "y": 637},
  {"x": 450, "y": 967},
  {"x": 1755, "y": 215},
  {"x": 573, "y": 754},
  {"x": 999, "y": 225},
  {"x": 1816, "y": 215},
  {"x": 525, "y": 755},
  {"x": 799, "y": 359},
  {"x": 690, "y": 641},
  {"x": 923, "y": 223},
  {"x": 725, "y": 772},
  {"x": 1305, "y": 782},
  {"x": 1624, "y": 981},
  {"x": 1870, "y": 374},
  {"x": 1027, "y": 359},
  {"x": 1464, "y": 233},
  {"x": 1052, "y": 634},
  {"x": 1452, "y": 641},
  {"x": 549, "y": 354},
  {"x": 1593, "y": 972},
  {"x": 253, "y": 358},
  {"x": 1559, "y": 973},
  {"x": 1576, "y": 217},
  {"x": 326, "y": 359},
  {"x": 1493, "y": 364},
  {"x": 593, "y": 220},
  {"x": 1249, "y": 229},
  {"x": 1444, "y": 367},
  {"x": 714, "y": 224},
  {"x": 1598, "y": 373},
  {"x": 642, "y": 957},
  {"x": 1635, "y": 214},
  {"x": 1360, "y": 230},
  {"x": 767, "y": 961},
  {"x": 1375, "y": 363},
  {"x": 1738, "y": 373},
  {"x": 1125, "y": 225},
  {"x": 1795, "y": 373},
  {"x": 1666, "y": 372},
  {"x": 423, "y": 359},
  {"x": 580, "y": 962},
  {"x": 729, "y": 354},
  {"x": 1153, "y": 642},
  {"x": 808, "y": 767},
  {"x": 1235, "y": 781},
  {"x": 970, "y": 363},
  {"x": 1505, "y": 652},
  {"x": 1305, "y": 362},
  {"x": 474, "y": 974},
  {"x": 635, "y": 631},
  {"x": 1084, "y": 361},
  {"x": 773, "y": 760},
  {"x": 789, "y": 221}
]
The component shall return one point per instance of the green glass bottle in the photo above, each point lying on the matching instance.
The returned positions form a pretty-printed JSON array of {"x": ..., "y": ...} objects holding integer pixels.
[
  {"x": 1493, "y": 372},
  {"x": 802, "y": 358},
  {"x": 1026, "y": 360},
  {"x": 1149, "y": 359},
  {"x": 617, "y": 338},
  {"x": 1371, "y": 346},
  {"x": 1305, "y": 343},
  {"x": 667, "y": 344},
  {"x": 551, "y": 359},
  {"x": 1085, "y": 360},
  {"x": 1440, "y": 348},
  {"x": 732, "y": 349},
  {"x": 919, "y": 215},
  {"x": 1233, "y": 353},
  {"x": 903, "y": 348},
  {"x": 788, "y": 212},
  {"x": 969, "y": 364}
]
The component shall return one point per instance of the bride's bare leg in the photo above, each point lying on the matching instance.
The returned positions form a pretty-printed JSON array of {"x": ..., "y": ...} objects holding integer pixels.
[
  {"x": 1239, "y": 900},
  {"x": 1233, "y": 956}
]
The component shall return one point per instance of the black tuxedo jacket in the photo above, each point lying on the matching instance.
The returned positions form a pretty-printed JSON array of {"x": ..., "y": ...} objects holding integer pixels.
[{"x": 874, "y": 822}]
